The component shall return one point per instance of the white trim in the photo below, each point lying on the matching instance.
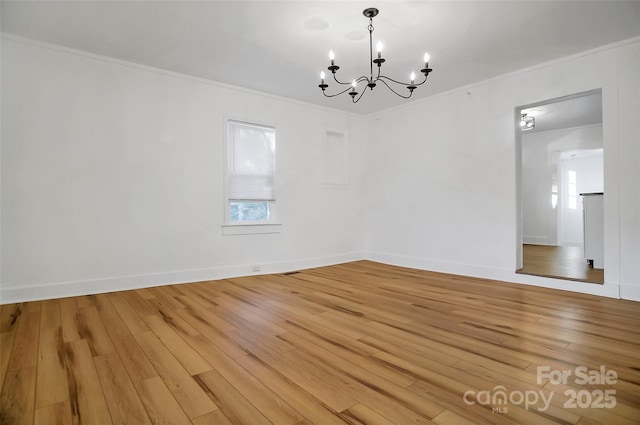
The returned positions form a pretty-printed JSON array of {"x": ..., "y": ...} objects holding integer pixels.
[
  {"x": 509, "y": 276},
  {"x": 51, "y": 46},
  {"x": 251, "y": 229},
  {"x": 36, "y": 292},
  {"x": 537, "y": 240},
  {"x": 566, "y": 129},
  {"x": 109, "y": 59},
  {"x": 630, "y": 292},
  {"x": 515, "y": 73}
]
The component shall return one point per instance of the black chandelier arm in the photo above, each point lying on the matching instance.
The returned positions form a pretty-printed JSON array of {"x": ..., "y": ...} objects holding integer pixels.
[
  {"x": 358, "y": 80},
  {"x": 337, "y": 94},
  {"x": 354, "y": 100},
  {"x": 390, "y": 88},
  {"x": 423, "y": 81},
  {"x": 338, "y": 81},
  {"x": 383, "y": 77}
]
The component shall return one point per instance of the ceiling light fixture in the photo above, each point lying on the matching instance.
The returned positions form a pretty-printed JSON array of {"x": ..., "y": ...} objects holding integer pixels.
[
  {"x": 372, "y": 80},
  {"x": 527, "y": 122}
]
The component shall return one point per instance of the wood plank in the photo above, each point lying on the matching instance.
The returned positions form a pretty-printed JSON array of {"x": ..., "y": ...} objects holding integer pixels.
[
  {"x": 123, "y": 401},
  {"x": 88, "y": 405},
  {"x": 136, "y": 363},
  {"x": 164, "y": 296},
  {"x": 134, "y": 322},
  {"x": 336, "y": 399},
  {"x": 451, "y": 418},
  {"x": 176, "y": 322},
  {"x": 50, "y": 314},
  {"x": 6, "y": 346},
  {"x": 53, "y": 414},
  {"x": 217, "y": 418},
  {"x": 162, "y": 407},
  {"x": 25, "y": 344},
  {"x": 206, "y": 315},
  {"x": 229, "y": 400},
  {"x": 214, "y": 335},
  {"x": 10, "y": 316},
  {"x": 90, "y": 327},
  {"x": 346, "y": 356},
  {"x": 384, "y": 397},
  {"x": 479, "y": 415},
  {"x": 187, "y": 356},
  {"x": 302, "y": 401},
  {"x": 17, "y": 399},
  {"x": 186, "y": 391},
  {"x": 52, "y": 375},
  {"x": 69, "y": 318},
  {"x": 268, "y": 403},
  {"x": 360, "y": 414},
  {"x": 133, "y": 305}
]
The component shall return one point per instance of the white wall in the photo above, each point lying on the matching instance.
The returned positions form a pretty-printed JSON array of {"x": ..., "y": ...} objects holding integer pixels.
[
  {"x": 112, "y": 177},
  {"x": 589, "y": 179},
  {"x": 541, "y": 153},
  {"x": 539, "y": 174},
  {"x": 444, "y": 173}
]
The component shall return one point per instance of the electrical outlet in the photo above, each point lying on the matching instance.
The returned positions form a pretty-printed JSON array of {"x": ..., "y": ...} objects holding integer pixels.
[{"x": 256, "y": 268}]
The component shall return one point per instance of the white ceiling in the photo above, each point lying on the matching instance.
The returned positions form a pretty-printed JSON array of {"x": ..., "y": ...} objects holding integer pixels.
[{"x": 280, "y": 47}]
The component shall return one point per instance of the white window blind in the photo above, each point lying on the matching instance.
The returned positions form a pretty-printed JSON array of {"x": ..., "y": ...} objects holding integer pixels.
[{"x": 252, "y": 162}]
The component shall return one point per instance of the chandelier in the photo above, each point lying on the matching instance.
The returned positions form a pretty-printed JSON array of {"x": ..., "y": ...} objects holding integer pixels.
[{"x": 372, "y": 80}]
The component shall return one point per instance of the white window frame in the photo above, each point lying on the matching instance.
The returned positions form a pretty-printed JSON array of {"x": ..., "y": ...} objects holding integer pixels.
[{"x": 247, "y": 227}]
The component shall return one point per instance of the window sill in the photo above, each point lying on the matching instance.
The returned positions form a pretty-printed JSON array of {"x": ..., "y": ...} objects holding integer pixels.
[{"x": 250, "y": 229}]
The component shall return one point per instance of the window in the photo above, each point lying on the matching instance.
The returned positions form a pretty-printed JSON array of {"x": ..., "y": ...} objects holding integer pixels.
[{"x": 251, "y": 166}]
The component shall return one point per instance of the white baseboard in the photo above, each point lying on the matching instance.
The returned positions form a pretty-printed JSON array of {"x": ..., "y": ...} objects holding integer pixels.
[
  {"x": 610, "y": 290},
  {"x": 433, "y": 265},
  {"x": 537, "y": 240},
  {"x": 9, "y": 294},
  {"x": 630, "y": 292}
]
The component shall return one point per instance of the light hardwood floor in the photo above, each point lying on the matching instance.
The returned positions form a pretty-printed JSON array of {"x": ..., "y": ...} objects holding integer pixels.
[
  {"x": 565, "y": 262},
  {"x": 359, "y": 343}
]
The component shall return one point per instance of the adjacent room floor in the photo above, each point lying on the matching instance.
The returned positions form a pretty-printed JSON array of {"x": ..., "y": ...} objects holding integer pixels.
[
  {"x": 566, "y": 262},
  {"x": 358, "y": 343}
]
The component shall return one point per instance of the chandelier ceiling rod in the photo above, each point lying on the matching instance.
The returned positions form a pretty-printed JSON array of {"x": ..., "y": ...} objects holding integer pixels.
[{"x": 372, "y": 81}]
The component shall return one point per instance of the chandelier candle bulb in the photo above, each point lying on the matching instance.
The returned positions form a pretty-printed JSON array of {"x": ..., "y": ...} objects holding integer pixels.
[
  {"x": 413, "y": 77},
  {"x": 353, "y": 91},
  {"x": 379, "y": 49},
  {"x": 322, "y": 85},
  {"x": 332, "y": 56}
]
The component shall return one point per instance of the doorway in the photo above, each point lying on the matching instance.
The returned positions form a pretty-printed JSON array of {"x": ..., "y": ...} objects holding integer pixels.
[{"x": 561, "y": 161}]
